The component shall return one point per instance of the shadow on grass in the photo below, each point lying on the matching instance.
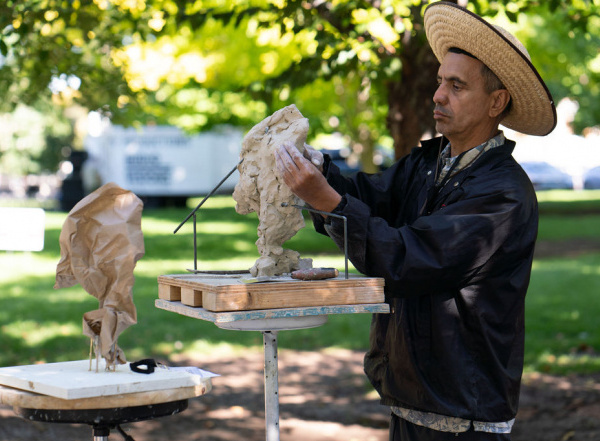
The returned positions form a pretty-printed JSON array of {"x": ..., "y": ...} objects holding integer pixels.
[{"x": 562, "y": 315}]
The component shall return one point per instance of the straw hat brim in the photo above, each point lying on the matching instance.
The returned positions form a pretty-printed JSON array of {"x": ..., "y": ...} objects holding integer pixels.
[{"x": 448, "y": 25}]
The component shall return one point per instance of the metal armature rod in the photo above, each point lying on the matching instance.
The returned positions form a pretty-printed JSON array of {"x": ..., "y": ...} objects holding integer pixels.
[
  {"x": 207, "y": 196},
  {"x": 326, "y": 213},
  {"x": 195, "y": 246}
]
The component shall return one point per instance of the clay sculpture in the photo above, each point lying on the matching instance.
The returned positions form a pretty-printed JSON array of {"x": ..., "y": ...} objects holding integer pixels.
[{"x": 261, "y": 190}]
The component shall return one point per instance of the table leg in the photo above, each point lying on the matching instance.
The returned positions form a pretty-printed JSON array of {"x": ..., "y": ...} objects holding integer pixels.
[
  {"x": 101, "y": 433},
  {"x": 271, "y": 386}
]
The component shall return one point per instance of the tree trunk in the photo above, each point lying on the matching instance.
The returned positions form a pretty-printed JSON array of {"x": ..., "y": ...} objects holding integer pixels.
[{"x": 410, "y": 98}]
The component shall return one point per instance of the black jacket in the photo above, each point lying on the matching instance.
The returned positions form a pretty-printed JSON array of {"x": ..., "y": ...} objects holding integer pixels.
[{"x": 456, "y": 264}]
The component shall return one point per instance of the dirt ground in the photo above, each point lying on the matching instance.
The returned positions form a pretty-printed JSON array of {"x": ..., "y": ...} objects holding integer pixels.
[{"x": 325, "y": 396}]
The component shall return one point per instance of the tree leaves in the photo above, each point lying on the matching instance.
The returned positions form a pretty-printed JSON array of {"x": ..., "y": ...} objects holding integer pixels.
[{"x": 265, "y": 51}]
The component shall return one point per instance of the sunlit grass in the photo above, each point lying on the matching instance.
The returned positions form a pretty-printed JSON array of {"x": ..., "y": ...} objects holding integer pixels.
[
  {"x": 161, "y": 226},
  {"x": 38, "y": 323},
  {"x": 568, "y": 196},
  {"x": 562, "y": 315},
  {"x": 555, "y": 227},
  {"x": 213, "y": 202},
  {"x": 566, "y": 202},
  {"x": 35, "y": 335},
  {"x": 13, "y": 264},
  {"x": 565, "y": 363}
]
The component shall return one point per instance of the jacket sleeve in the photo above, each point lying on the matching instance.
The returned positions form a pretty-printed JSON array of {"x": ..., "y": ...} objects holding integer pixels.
[
  {"x": 444, "y": 249},
  {"x": 373, "y": 190}
]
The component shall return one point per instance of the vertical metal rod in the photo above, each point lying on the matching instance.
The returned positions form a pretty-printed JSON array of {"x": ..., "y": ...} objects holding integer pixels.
[
  {"x": 91, "y": 352},
  {"x": 113, "y": 350},
  {"x": 195, "y": 246},
  {"x": 326, "y": 213},
  {"x": 98, "y": 348},
  {"x": 271, "y": 386},
  {"x": 345, "y": 244}
]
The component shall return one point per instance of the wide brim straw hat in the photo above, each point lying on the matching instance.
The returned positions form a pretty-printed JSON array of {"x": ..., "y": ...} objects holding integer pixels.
[{"x": 532, "y": 110}]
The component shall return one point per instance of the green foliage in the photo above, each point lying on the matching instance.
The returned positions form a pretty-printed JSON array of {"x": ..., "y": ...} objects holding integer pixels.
[
  {"x": 32, "y": 141},
  {"x": 564, "y": 46},
  {"x": 355, "y": 49},
  {"x": 378, "y": 45},
  {"x": 54, "y": 39},
  {"x": 355, "y": 66},
  {"x": 22, "y": 141}
]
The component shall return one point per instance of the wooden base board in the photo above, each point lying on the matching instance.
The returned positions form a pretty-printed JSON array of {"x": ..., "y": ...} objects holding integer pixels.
[
  {"x": 230, "y": 294},
  {"x": 30, "y": 400},
  {"x": 73, "y": 380}
]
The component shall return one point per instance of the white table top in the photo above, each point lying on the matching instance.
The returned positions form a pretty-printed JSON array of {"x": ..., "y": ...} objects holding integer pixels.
[{"x": 73, "y": 380}]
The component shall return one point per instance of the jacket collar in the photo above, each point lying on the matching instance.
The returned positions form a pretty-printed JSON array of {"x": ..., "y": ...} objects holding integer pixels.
[
  {"x": 487, "y": 160},
  {"x": 432, "y": 148}
]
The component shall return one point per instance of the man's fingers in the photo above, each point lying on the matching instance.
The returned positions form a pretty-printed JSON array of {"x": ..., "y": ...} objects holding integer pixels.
[
  {"x": 313, "y": 155},
  {"x": 292, "y": 151},
  {"x": 285, "y": 163},
  {"x": 281, "y": 160},
  {"x": 292, "y": 161},
  {"x": 294, "y": 155}
]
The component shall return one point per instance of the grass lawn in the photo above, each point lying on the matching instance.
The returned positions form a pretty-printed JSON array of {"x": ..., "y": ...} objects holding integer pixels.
[{"x": 38, "y": 323}]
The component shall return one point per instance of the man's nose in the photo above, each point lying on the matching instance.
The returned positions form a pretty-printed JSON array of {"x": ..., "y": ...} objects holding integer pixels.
[{"x": 440, "y": 95}]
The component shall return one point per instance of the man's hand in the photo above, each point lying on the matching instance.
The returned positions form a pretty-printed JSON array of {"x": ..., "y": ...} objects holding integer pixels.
[
  {"x": 304, "y": 178},
  {"x": 314, "y": 156}
]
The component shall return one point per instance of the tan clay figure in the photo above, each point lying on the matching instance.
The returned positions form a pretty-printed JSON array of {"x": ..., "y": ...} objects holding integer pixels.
[{"x": 261, "y": 190}]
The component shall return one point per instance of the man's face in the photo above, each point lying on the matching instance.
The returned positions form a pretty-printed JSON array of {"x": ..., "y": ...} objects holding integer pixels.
[{"x": 461, "y": 102}]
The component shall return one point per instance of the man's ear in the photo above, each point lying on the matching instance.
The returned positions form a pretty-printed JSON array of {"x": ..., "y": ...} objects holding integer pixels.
[{"x": 499, "y": 101}]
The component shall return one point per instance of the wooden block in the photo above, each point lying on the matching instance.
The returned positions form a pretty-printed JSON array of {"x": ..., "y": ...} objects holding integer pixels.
[
  {"x": 231, "y": 294},
  {"x": 169, "y": 292},
  {"x": 191, "y": 296},
  {"x": 290, "y": 298}
]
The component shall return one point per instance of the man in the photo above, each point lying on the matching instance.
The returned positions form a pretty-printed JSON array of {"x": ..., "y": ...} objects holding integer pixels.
[{"x": 451, "y": 228}]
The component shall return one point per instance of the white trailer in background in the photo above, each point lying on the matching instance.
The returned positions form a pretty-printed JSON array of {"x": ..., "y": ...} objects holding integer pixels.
[{"x": 162, "y": 162}]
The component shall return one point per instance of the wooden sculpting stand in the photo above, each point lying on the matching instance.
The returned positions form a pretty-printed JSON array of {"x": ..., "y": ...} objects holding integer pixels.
[{"x": 269, "y": 308}]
